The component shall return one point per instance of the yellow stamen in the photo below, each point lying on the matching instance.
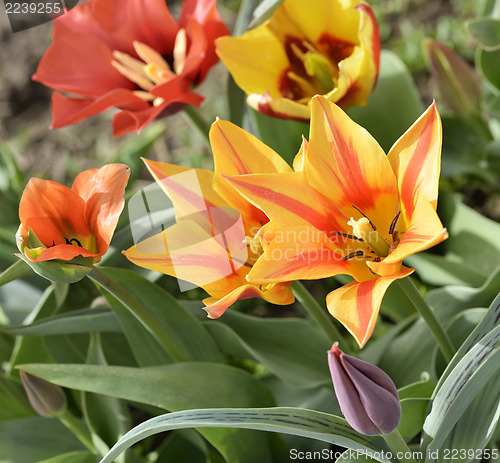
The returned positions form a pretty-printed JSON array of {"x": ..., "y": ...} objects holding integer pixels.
[
  {"x": 146, "y": 96},
  {"x": 306, "y": 86},
  {"x": 363, "y": 229},
  {"x": 138, "y": 78},
  {"x": 254, "y": 244},
  {"x": 180, "y": 51},
  {"x": 150, "y": 56}
]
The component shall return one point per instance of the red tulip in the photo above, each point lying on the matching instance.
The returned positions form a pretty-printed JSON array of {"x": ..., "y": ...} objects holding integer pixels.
[{"x": 131, "y": 55}]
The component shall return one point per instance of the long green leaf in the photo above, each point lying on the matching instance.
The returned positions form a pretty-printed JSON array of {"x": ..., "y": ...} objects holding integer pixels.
[
  {"x": 295, "y": 421},
  {"x": 177, "y": 386},
  {"x": 457, "y": 392}
]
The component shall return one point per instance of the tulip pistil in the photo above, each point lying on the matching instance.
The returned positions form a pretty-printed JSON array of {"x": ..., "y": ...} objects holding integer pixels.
[{"x": 364, "y": 229}]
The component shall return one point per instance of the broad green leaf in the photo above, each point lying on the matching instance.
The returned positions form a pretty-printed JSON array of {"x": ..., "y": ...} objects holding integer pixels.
[
  {"x": 35, "y": 439},
  {"x": 486, "y": 31},
  {"x": 292, "y": 349},
  {"x": 100, "y": 319},
  {"x": 245, "y": 13},
  {"x": 177, "y": 386},
  {"x": 295, "y": 421},
  {"x": 394, "y": 105},
  {"x": 463, "y": 382},
  {"x": 18, "y": 299},
  {"x": 187, "y": 333}
]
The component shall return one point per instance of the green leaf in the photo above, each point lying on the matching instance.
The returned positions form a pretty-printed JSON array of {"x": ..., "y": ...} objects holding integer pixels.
[
  {"x": 486, "y": 31},
  {"x": 14, "y": 404},
  {"x": 292, "y": 349},
  {"x": 72, "y": 457},
  {"x": 463, "y": 382},
  {"x": 394, "y": 105},
  {"x": 79, "y": 321},
  {"x": 295, "y": 421},
  {"x": 182, "y": 327},
  {"x": 35, "y": 439},
  {"x": 244, "y": 16},
  {"x": 264, "y": 11},
  {"x": 18, "y": 269},
  {"x": 174, "y": 387},
  {"x": 472, "y": 240},
  {"x": 282, "y": 135},
  {"x": 488, "y": 64}
]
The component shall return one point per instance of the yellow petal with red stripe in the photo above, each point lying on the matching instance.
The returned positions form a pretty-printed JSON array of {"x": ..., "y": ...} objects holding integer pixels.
[
  {"x": 416, "y": 161},
  {"x": 345, "y": 163},
  {"x": 356, "y": 305}
]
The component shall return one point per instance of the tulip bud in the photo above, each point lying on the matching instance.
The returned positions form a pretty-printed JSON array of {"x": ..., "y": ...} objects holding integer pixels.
[
  {"x": 367, "y": 396},
  {"x": 458, "y": 83},
  {"x": 47, "y": 399}
]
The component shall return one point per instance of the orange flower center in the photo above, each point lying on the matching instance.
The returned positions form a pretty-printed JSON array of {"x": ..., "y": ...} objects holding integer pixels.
[{"x": 151, "y": 69}]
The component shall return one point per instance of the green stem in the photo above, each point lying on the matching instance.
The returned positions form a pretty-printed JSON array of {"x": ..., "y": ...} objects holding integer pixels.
[
  {"x": 78, "y": 429},
  {"x": 398, "y": 446},
  {"x": 139, "y": 311},
  {"x": 323, "y": 320},
  {"x": 429, "y": 317},
  {"x": 193, "y": 115}
]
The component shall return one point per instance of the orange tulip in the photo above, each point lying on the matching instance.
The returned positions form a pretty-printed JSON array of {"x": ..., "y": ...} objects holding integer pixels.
[
  {"x": 330, "y": 48},
  {"x": 131, "y": 55},
  {"x": 350, "y": 209},
  {"x": 73, "y": 226},
  {"x": 214, "y": 242}
]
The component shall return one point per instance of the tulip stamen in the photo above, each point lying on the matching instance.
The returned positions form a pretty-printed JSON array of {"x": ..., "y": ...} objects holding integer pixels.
[
  {"x": 363, "y": 228},
  {"x": 71, "y": 241},
  {"x": 354, "y": 254},
  {"x": 180, "y": 51}
]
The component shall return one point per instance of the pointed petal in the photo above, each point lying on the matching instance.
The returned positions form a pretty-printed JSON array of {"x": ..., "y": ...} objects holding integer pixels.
[
  {"x": 52, "y": 210},
  {"x": 279, "y": 294},
  {"x": 346, "y": 163},
  {"x": 416, "y": 161},
  {"x": 102, "y": 190},
  {"x": 190, "y": 190},
  {"x": 237, "y": 152},
  {"x": 67, "y": 111},
  {"x": 356, "y": 305},
  {"x": 424, "y": 231},
  {"x": 189, "y": 252},
  {"x": 288, "y": 199},
  {"x": 256, "y": 60},
  {"x": 298, "y": 161}
]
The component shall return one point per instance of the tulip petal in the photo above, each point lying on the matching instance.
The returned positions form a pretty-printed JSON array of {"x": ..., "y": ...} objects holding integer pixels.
[
  {"x": 68, "y": 66},
  {"x": 356, "y": 305},
  {"x": 237, "y": 152},
  {"x": 424, "y": 231},
  {"x": 279, "y": 294},
  {"x": 256, "y": 60},
  {"x": 67, "y": 111},
  {"x": 102, "y": 190},
  {"x": 52, "y": 209},
  {"x": 380, "y": 405},
  {"x": 416, "y": 161},
  {"x": 283, "y": 108},
  {"x": 346, "y": 163}
]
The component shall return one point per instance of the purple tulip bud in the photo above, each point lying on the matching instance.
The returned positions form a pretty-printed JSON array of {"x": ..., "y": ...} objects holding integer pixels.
[
  {"x": 367, "y": 396},
  {"x": 47, "y": 399}
]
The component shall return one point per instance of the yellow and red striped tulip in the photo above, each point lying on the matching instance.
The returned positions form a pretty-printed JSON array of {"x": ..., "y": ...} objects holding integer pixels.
[
  {"x": 350, "y": 209},
  {"x": 215, "y": 265}
]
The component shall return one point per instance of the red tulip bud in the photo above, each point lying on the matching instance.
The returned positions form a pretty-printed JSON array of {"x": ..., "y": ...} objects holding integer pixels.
[{"x": 367, "y": 396}]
